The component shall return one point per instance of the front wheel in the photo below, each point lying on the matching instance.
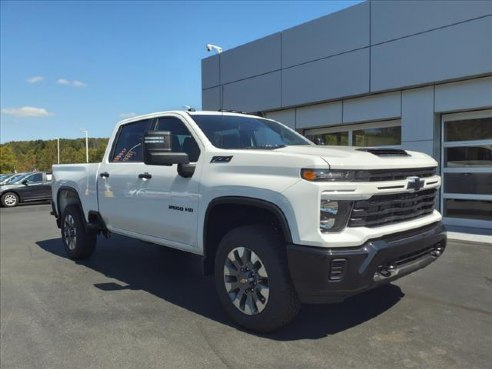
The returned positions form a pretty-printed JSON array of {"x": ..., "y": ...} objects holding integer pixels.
[
  {"x": 253, "y": 281},
  {"x": 10, "y": 199},
  {"x": 79, "y": 243}
]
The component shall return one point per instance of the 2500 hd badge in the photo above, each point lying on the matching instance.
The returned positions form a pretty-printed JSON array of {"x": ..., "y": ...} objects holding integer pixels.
[{"x": 180, "y": 208}]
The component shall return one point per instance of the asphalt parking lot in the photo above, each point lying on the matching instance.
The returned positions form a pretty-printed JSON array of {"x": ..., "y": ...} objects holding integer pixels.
[{"x": 137, "y": 305}]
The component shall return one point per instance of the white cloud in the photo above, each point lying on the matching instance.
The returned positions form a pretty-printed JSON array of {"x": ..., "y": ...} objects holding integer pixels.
[
  {"x": 74, "y": 83},
  {"x": 27, "y": 112},
  {"x": 63, "y": 81},
  {"x": 35, "y": 79},
  {"x": 127, "y": 115}
]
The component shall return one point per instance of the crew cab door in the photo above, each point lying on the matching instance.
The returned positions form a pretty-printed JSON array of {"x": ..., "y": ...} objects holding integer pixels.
[{"x": 151, "y": 202}]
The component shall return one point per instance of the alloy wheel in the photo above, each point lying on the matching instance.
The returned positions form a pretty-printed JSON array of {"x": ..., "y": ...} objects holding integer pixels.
[
  {"x": 10, "y": 199},
  {"x": 246, "y": 281},
  {"x": 70, "y": 231}
]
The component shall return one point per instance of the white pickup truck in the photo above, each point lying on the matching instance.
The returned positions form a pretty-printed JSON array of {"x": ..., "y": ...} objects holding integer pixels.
[{"x": 277, "y": 219}]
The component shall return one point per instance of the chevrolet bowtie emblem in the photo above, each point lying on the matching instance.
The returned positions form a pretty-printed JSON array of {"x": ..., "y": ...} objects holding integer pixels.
[{"x": 415, "y": 183}]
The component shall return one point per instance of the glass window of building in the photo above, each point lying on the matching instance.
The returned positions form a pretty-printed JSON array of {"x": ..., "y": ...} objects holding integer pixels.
[
  {"x": 384, "y": 133},
  {"x": 467, "y": 169}
]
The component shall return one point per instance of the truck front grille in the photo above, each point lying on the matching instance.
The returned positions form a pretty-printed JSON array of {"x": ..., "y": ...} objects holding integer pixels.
[
  {"x": 380, "y": 175},
  {"x": 387, "y": 209}
]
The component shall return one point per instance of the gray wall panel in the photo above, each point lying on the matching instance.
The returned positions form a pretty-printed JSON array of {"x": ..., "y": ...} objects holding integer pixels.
[
  {"x": 453, "y": 52},
  {"x": 472, "y": 94},
  {"x": 417, "y": 117},
  {"x": 319, "y": 115},
  {"x": 255, "y": 58},
  {"x": 253, "y": 94},
  {"x": 341, "y": 75},
  {"x": 421, "y": 146},
  {"x": 287, "y": 117},
  {"x": 211, "y": 99},
  {"x": 333, "y": 34},
  {"x": 395, "y": 19},
  {"x": 377, "y": 107},
  {"x": 210, "y": 72}
]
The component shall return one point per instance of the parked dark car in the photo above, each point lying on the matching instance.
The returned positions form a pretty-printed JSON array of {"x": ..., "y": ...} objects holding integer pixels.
[
  {"x": 34, "y": 187},
  {"x": 4, "y": 177},
  {"x": 12, "y": 178}
]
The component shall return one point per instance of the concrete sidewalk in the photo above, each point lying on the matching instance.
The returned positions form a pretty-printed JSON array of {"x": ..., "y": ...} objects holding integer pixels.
[{"x": 479, "y": 235}]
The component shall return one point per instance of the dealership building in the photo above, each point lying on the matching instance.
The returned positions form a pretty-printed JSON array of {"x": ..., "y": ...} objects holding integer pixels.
[{"x": 415, "y": 75}]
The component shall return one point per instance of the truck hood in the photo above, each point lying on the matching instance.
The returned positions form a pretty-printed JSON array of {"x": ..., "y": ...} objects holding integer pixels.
[{"x": 342, "y": 157}]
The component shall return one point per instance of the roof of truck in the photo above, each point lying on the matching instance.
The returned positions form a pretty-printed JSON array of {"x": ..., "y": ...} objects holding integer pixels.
[{"x": 182, "y": 112}]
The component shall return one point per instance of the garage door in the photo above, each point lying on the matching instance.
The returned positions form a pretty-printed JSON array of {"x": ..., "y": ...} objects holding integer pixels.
[{"x": 467, "y": 169}]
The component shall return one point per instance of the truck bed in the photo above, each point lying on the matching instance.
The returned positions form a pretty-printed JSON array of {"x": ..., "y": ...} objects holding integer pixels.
[{"x": 81, "y": 177}]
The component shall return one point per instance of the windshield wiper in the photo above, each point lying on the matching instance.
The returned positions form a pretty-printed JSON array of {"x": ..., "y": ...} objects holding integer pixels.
[{"x": 264, "y": 147}]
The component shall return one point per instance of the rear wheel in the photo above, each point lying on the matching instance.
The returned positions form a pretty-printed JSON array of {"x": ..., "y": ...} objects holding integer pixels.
[
  {"x": 10, "y": 199},
  {"x": 79, "y": 243},
  {"x": 252, "y": 279}
]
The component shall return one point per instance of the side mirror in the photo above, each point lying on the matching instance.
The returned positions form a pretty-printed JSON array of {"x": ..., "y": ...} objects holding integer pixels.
[
  {"x": 24, "y": 182},
  {"x": 186, "y": 170},
  {"x": 157, "y": 150}
]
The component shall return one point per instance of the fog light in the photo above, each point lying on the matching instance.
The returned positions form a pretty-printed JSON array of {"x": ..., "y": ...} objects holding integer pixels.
[
  {"x": 328, "y": 212},
  {"x": 333, "y": 214}
]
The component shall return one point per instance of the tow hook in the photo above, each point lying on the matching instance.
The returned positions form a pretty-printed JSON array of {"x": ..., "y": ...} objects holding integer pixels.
[
  {"x": 437, "y": 251},
  {"x": 387, "y": 270}
]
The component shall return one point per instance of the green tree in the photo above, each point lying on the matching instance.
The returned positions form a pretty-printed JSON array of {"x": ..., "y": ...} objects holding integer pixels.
[
  {"x": 41, "y": 155},
  {"x": 7, "y": 159}
]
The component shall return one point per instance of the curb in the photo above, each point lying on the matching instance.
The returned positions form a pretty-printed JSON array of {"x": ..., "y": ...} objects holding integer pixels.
[{"x": 470, "y": 237}]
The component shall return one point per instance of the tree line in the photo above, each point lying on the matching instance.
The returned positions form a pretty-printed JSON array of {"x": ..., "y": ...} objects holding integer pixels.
[{"x": 40, "y": 155}]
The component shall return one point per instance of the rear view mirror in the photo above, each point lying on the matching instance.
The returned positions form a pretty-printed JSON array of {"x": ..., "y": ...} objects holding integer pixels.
[
  {"x": 157, "y": 149},
  {"x": 24, "y": 182}
]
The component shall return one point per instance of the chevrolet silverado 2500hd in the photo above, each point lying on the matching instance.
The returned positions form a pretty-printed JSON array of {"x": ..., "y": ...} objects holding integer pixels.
[{"x": 277, "y": 219}]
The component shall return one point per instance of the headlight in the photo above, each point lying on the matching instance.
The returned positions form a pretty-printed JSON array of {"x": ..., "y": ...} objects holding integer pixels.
[
  {"x": 327, "y": 175},
  {"x": 333, "y": 214}
]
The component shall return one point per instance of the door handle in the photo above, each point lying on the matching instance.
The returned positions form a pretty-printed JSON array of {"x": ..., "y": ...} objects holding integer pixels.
[
  {"x": 104, "y": 175},
  {"x": 145, "y": 175}
]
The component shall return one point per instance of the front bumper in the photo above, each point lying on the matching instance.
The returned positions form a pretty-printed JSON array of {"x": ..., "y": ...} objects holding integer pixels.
[{"x": 322, "y": 275}]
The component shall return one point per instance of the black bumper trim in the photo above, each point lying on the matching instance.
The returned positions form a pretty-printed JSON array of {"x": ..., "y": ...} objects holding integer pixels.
[
  {"x": 403, "y": 252},
  {"x": 53, "y": 212}
]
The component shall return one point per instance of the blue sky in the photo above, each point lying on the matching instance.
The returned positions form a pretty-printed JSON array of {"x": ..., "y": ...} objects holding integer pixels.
[{"x": 66, "y": 65}]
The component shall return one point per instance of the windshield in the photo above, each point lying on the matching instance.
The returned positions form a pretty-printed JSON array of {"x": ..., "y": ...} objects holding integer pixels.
[
  {"x": 237, "y": 132},
  {"x": 15, "y": 179},
  {"x": 6, "y": 177}
]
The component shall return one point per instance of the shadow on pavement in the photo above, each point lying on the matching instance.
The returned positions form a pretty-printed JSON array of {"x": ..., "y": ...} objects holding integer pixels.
[{"x": 177, "y": 278}]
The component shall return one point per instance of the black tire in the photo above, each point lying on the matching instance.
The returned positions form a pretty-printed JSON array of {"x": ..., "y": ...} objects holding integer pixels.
[
  {"x": 262, "y": 311},
  {"x": 10, "y": 199},
  {"x": 79, "y": 243}
]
